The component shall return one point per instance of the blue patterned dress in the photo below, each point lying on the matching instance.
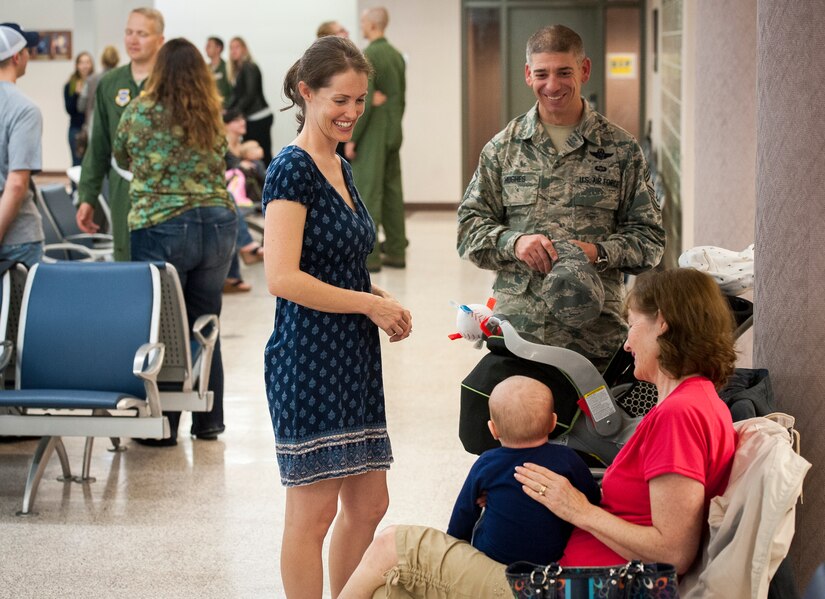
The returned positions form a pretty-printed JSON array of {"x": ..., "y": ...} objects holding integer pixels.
[{"x": 323, "y": 370}]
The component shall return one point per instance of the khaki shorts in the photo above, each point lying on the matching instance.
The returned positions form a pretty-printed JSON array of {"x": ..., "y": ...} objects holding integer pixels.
[{"x": 433, "y": 564}]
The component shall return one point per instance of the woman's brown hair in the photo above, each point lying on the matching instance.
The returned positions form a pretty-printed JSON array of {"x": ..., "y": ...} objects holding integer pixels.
[
  {"x": 76, "y": 76},
  {"x": 234, "y": 67},
  {"x": 182, "y": 84},
  {"x": 699, "y": 335},
  {"x": 326, "y": 57}
]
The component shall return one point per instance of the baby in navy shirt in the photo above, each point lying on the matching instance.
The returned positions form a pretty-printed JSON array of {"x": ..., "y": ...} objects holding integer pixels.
[{"x": 513, "y": 527}]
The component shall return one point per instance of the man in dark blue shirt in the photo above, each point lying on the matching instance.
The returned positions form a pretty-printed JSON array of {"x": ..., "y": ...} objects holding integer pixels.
[{"x": 513, "y": 527}]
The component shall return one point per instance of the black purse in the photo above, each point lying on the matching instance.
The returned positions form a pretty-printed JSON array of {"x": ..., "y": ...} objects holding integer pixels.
[{"x": 634, "y": 580}]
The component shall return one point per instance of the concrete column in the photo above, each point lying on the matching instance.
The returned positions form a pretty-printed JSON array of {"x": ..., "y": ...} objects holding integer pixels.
[
  {"x": 724, "y": 115},
  {"x": 723, "y": 124},
  {"x": 790, "y": 239}
]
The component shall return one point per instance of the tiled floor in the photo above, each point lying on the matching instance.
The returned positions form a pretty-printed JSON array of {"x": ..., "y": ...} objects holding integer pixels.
[{"x": 204, "y": 519}]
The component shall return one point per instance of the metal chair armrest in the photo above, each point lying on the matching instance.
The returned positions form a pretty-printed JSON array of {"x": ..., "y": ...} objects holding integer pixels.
[
  {"x": 206, "y": 336},
  {"x": 6, "y": 352},
  {"x": 148, "y": 371},
  {"x": 91, "y": 256},
  {"x": 99, "y": 239},
  {"x": 205, "y": 331}
]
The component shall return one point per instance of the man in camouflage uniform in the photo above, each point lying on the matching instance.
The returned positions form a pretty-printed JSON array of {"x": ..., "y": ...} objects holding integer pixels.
[
  {"x": 561, "y": 172},
  {"x": 143, "y": 39}
]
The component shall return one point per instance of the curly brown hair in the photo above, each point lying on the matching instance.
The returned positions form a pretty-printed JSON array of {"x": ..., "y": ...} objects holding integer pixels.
[
  {"x": 699, "y": 335},
  {"x": 182, "y": 84}
]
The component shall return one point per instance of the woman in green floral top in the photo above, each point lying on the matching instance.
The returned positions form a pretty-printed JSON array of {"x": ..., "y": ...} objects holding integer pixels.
[{"x": 172, "y": 140}]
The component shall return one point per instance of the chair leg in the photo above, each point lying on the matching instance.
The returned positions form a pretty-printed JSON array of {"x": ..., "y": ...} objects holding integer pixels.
[
  {"x": 64, "y": 461},
  {"x": 87, "y": 454},
  {"x": 39, "y": 461},
  {"x": 116, "y": 447},
  {"x": 87, "y": 463}
]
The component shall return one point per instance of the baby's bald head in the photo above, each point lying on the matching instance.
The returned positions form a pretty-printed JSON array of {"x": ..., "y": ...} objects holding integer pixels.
[{"x": 521, "y": 409}]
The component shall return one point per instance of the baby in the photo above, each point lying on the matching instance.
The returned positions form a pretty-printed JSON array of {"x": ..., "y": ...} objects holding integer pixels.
[{"x": 513, "y": 527}]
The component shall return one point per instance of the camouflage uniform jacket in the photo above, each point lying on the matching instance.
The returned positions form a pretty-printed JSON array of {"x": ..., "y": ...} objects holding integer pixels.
[{"x": 596, "y": 189}]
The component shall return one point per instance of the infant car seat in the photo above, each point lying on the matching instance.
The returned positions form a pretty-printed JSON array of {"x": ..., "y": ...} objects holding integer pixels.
[{"x": 591, "y": 416}]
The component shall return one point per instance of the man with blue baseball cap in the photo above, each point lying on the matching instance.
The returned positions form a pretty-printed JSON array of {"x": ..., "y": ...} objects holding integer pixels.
[
  {"x": 13, "y": 39},
  {"x": 21, "y": 126}
]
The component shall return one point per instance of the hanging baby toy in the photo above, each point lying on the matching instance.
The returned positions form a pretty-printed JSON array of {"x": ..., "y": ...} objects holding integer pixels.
[{"x": 471, "y": 321}]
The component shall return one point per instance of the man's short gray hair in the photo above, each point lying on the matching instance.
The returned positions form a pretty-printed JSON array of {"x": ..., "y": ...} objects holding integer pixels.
[
  {"x": 153, "y": 15},
  {"x": 555, "y": 38}
]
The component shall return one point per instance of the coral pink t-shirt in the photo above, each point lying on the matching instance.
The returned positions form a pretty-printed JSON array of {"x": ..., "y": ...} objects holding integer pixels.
[{"x": 689, "y": 433}]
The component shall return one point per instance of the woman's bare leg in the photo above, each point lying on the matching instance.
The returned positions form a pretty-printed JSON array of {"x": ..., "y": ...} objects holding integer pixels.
[
  {"x": 310, "y": 510},
  {"x": 364, "y": 501}
]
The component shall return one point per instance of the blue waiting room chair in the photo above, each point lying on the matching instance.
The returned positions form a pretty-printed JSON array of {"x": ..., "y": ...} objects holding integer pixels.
[{"x": 88, "y": 357}]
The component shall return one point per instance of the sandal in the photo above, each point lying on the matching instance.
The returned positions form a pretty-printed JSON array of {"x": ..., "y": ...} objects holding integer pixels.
[
  {"x": 252, "y": 255},
  {"x": 236, "y": 286}
]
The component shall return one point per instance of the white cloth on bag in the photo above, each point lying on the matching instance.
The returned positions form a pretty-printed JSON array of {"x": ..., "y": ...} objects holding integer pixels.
[{"x": 733, "y": 271}]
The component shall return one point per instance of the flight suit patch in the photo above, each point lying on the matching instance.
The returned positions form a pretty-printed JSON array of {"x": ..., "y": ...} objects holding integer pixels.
[{"x": 123, "y": 97}]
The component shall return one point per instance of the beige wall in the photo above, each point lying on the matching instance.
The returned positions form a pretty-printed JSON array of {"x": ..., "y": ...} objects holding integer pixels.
[
  {"x": 725, "y": 124},
  {"x": 428, "y": 33}
]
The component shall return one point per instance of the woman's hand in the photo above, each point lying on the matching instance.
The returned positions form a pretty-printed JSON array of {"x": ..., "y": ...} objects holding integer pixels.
[
  {"x": 676, "y": 507},
  {"x": 554, "y": 492},
  {"x": 390, "y": 316}
]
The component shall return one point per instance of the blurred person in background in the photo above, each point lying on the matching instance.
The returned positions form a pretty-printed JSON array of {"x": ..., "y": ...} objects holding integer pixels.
[
  {"x": 248, "y": 96},
  {"x": 109, "y": 59},
  {"x": 84, "y": 66},
  {"x": 214, "y": 49},
  {"x": 21, "y": 128},
  {"x": 143, "y": 38},
  {"x": 332, "y": 28}
]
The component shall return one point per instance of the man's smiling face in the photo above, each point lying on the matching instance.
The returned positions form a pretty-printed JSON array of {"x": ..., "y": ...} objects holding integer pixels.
[{"x": 556, "y": 79}]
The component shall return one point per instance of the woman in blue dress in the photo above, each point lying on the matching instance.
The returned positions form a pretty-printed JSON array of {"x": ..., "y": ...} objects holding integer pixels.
[{"x": 323, "y": 360}]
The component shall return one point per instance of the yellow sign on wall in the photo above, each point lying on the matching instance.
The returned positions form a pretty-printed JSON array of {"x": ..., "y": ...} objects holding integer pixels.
[{"x": 621, "y": 65}]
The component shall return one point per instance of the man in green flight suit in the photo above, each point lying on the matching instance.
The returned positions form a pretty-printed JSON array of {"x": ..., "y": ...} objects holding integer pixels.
[
  {"x": 376, "y": 141},
  {"x": 214, "y": 48},
  {"x": 143, "y": 39}
]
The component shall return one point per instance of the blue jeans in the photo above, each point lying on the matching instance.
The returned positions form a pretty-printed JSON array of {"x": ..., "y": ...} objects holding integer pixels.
[
  {"x": 243, "y": 238},
  {"x": 28, "y": 254},
  {"x": 76, "y": 157},
  {"x": 199, "y": 244}
]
